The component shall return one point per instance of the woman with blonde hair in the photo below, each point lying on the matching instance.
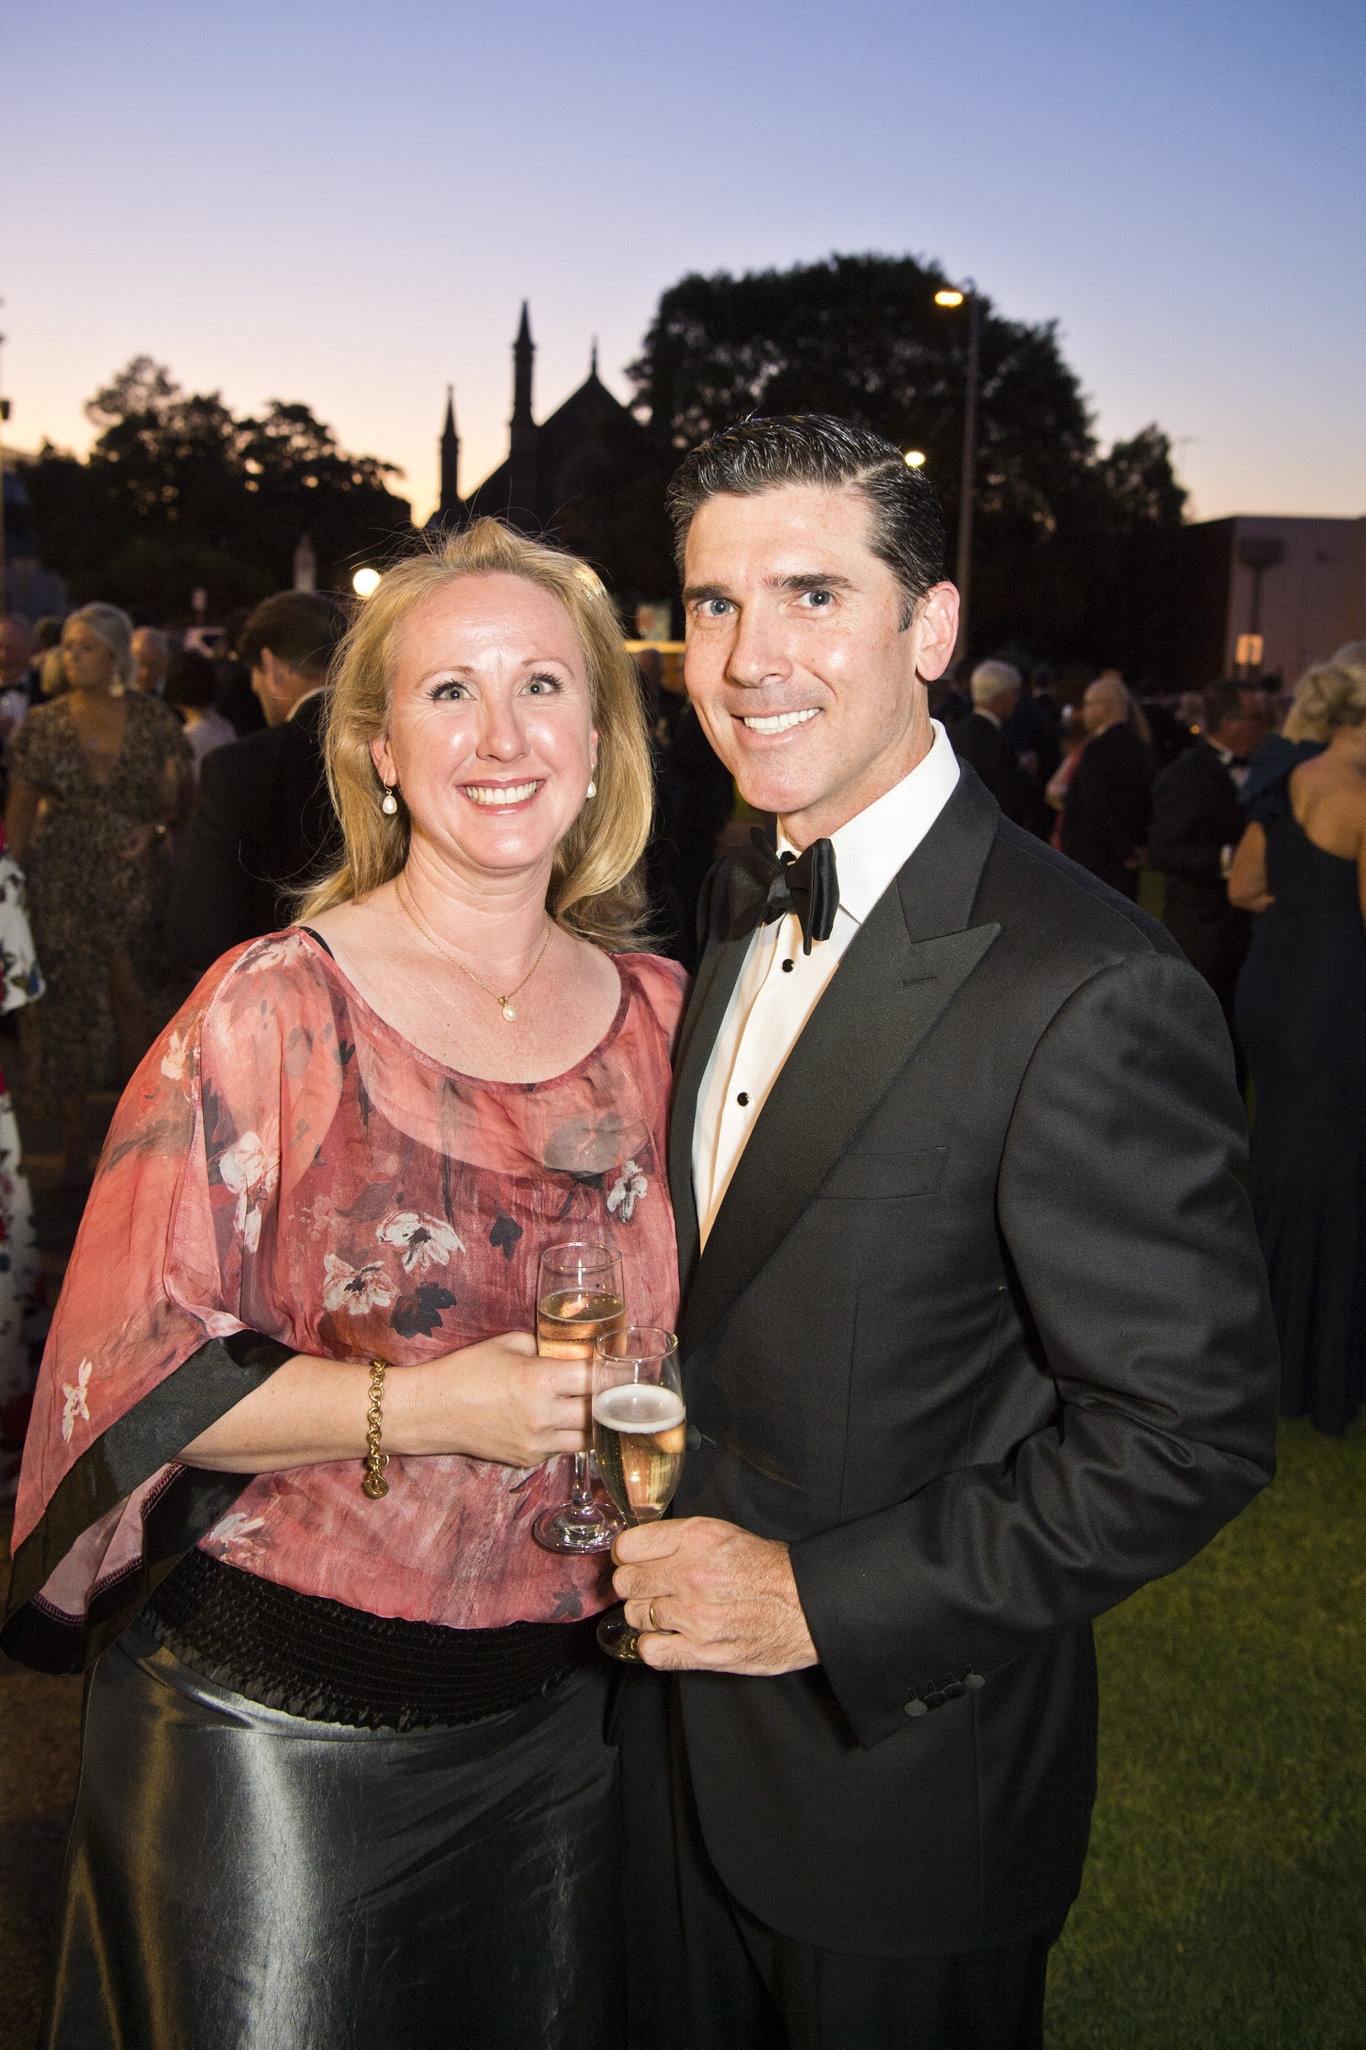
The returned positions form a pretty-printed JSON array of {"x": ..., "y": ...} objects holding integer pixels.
[
  {"x": 345, "y": 1779},
  {"x": 1301, "y": 1015}
]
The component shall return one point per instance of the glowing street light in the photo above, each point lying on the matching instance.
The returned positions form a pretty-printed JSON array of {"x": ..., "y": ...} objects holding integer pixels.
[
  {"x": 915, "y": 458},
  {"x": 365, "y": 583},
  {"x": 953, "y": 296}
]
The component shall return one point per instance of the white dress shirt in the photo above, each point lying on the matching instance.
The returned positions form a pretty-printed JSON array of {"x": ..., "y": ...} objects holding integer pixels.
[{"x": 780, "y": 986}]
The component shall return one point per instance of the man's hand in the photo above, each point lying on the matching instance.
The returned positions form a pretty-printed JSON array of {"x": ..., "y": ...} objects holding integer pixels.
[{"x": 724, "y": 1600}]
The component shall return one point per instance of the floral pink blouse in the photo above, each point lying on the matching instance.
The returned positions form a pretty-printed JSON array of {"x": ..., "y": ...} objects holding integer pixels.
[{"x": 284, "y": 1162}]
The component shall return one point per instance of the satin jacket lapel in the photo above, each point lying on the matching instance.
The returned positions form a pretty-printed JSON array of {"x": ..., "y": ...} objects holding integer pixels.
[
  {"x": 716, "y": 980},
  {"x": 914, "y": 952}
]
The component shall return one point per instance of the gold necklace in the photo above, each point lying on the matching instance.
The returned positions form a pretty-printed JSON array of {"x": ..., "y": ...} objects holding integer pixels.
[{"x": 504, "y": 1003}]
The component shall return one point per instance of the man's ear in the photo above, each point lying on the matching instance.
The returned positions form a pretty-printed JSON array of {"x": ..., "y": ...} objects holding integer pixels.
[
  {"x": 936, "y": 629},
  {"x": 270, "y": 667}
]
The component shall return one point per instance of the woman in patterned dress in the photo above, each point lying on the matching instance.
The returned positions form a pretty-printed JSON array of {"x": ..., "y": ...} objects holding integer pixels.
[
  {"x": 345, "y": 1779},
  {"x": 97, "y": 777},
  {"x": 23, "y": 1316}
]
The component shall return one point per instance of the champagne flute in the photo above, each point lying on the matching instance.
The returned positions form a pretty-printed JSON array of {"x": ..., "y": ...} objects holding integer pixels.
[
  {"x": 579, "y": 1295},
  {"x": 639, "y": 1438}
]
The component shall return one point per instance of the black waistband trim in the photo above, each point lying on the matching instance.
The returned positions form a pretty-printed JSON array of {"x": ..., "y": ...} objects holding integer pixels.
[{"x": 319, "y": 1659}]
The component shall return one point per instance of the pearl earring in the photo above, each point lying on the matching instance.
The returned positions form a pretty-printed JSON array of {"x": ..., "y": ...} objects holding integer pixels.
[
  {"x": 389, "y": 805},
  {"x": 592, "y": 789}
]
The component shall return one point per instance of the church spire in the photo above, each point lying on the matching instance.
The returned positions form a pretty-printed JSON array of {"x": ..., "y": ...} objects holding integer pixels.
[
  {"x": 522, "y": 505},
  {"x": 449, "y": 503},
  {"x": 523, "y": 350}
]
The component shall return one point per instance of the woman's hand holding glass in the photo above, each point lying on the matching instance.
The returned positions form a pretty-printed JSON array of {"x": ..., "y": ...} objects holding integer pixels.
[{"x": 499, "y": 1400}]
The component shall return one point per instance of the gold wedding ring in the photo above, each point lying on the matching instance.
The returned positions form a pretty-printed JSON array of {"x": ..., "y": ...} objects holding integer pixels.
[{"x": 650, "y": 1616}]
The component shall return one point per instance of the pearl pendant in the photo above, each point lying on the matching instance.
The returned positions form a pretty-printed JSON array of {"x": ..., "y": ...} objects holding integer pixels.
[{"x": 509, "y": 1013}]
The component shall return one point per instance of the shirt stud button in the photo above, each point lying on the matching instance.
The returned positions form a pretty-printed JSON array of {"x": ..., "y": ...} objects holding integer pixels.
[
  {"x": 743, "y": 1099},
  {"x": 788, "y": 967}
]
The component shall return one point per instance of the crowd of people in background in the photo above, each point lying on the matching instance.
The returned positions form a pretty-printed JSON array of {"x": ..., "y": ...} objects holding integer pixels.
[{"x": 164, "y": 804}]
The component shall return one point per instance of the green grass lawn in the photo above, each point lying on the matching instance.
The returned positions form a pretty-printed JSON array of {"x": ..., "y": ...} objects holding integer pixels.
[{"x": 1225, "y": 1896}]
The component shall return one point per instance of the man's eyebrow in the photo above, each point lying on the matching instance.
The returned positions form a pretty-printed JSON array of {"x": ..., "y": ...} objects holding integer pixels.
[
  {"x": 811, "y": 580},
  {"x": 797, "y": 580}
]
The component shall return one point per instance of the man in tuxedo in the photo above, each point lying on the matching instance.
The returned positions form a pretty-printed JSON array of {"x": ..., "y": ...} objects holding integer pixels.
[
  {"x": 979, "y": 738},
  {"x": 974, "y": 1333},
  {"x": 1105, "y": 816},
  {"x": 263, "y": 823},
  {"x": 1195, "y": 826}
]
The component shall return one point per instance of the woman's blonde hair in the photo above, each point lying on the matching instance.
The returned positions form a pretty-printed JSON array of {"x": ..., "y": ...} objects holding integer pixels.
[
  {"x": 594, "y": 891},
  {"x": 1330, "y": 695}
]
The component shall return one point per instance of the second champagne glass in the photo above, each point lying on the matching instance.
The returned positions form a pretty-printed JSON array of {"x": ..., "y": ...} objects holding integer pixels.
[
  {"x": 579, "y": 1296},
  {"x": 640, "y": 1435}
]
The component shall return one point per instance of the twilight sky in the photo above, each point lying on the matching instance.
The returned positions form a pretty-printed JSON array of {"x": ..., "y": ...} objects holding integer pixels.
[{"x": 346, "y": 203}]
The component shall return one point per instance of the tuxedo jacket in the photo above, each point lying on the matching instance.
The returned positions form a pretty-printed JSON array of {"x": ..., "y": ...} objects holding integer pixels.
[
  {"x": 981, "y": 1331},
  {"x": 261, "y": 827},
  {"x": 1196, "y": 814},
  {"x": 1105, "y": 816}
]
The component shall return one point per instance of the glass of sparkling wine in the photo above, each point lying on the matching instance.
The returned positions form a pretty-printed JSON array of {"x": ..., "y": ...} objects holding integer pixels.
[
  {"x": 579, "y": 1296},
  {"x": 639, "y": 1438}
]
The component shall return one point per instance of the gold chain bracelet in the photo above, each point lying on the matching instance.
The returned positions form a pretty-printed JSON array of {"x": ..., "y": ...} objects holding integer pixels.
[{"x": 374, "y": 1484}]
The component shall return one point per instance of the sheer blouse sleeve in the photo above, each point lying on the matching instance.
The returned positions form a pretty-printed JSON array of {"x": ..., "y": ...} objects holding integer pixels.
[{"x": 167, "y": 1316}]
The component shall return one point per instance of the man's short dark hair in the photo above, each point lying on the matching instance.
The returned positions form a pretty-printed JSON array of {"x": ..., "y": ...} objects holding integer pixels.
[
  {"x": 1220, "y": 701},
  {"x": 302, "y": 629},
  {"x": 817, "y": 448}
]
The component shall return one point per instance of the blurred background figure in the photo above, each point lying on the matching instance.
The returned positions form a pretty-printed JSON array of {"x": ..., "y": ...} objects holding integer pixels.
[
  {"x": 98, "y": 776},
  {"x": 1195, "y": 826},
  {"x": 1105, "y": 809},
  {"x": 1071, "y": 741},
  {"x": 1034, "y": 731},
  {"x": 699, "y": 803},
  {"x": 17, "y": 680},
  {"x": 262, "y": 823},
  {"x": 23, "y": 1320},
  {"x": 1301, "y": 1012},
  {"x": 23, "y": 1316},
  {"x": 190, "y": 689},
  {"x": 979, "y": 739},
  {"x": 151, "y": 659},
  {"x": 236, "y": 699}
]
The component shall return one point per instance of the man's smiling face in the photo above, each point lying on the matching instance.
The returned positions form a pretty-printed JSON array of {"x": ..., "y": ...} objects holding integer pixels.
[{"x": 810, "y": 688}]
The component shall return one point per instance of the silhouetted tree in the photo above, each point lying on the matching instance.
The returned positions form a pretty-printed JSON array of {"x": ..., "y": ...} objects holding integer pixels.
[
  {"x": 178, "y": 492},
  {"x": 1058, "y": 524}
]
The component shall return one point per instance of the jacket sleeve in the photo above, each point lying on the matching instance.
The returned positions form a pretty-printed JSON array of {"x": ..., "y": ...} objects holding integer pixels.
[
  {"x": 210, "y": 907},
  {"x": 1130, "y": 1248}
]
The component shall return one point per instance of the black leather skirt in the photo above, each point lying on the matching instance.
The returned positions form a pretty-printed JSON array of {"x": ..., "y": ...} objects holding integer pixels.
[{"x": 244, "y": 1879}]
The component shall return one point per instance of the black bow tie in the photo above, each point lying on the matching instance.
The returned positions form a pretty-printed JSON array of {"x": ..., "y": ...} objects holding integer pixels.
[{"x": 764, "y": 886}]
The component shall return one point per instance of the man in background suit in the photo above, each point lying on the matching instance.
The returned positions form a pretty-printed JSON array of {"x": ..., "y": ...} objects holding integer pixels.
[
  {"x": 1195, "y": 826},
  {"x": 1105, "y": 816},
  {"x": 979, "y": 738},
  {"x": 974, "y": 1332},
  {"x": 263, "y": 823}
]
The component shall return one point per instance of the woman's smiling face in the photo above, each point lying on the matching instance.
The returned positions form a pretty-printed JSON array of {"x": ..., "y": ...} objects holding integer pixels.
[{"x": 491, "y": 738}]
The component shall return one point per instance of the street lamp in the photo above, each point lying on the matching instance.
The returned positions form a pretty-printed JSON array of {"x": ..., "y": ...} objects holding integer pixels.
[
  {"x": 365, "y": 583},
  {"x": 953, "y": 296},
  {"x": 915, "y": 459}
]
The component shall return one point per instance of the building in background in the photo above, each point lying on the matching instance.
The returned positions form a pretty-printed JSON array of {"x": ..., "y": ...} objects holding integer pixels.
[
  {"x": 548, "y": 463},
  {"x": 1268, "y": 596}
]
